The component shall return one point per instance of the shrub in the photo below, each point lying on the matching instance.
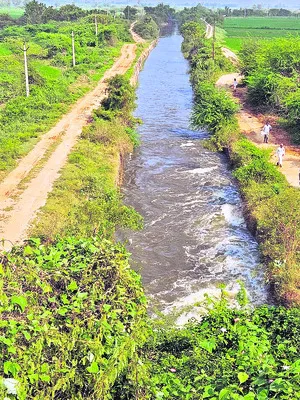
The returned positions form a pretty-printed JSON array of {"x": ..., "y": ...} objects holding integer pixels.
[
  {"x": 213, "y": 107},
  {"x": 147, "y": 28},
  {"x": 230, "y": 354},
  {"x": 72, "y": 322}
]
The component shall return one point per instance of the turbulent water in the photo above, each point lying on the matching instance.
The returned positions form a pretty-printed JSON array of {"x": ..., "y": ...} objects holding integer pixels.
[{"x": 195, "y": 236}]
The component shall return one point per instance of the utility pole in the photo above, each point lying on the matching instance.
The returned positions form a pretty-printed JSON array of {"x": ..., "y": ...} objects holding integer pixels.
[
  {"x": 96, "y": 26},
  {"x": 73, "y": 49},
  {"x": 214, "y": 40},
  {"x": 26, "y": 69}
]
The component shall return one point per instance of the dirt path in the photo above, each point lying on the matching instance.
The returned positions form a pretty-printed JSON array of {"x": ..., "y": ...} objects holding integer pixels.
[
  {"x": 230, "y": 55},
  {"x": 251, "y": 124},
  {"x": 17, "y": 213},
  {"x": 135, "y": 36},
  {"x": 209, "y": 30}
]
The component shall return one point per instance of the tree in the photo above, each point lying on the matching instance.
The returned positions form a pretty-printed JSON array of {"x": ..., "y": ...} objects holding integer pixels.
[
  {"x": 34, "y": 12},
  {"x": 130, "y": 12}
]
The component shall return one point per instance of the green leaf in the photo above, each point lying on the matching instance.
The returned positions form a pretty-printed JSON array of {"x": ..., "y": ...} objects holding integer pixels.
[
  {"x": 93, "y": 368},
  {"x": 208, "y": 392},
  {"x": 249, "y": 396},
  {"x": 26, "y": 335},
  {"x": 208, "y": 345},
  {"x": 72, "y": 286},
  {"x": 277, "y": 385},
  {"x": 11, "y": 368},
  {"x": 28, "y": 251},
  {"x": 45, "y": 378},
  {"x": 224, "y": 394},
  {"x": 20, "y": 301},
  {"x": 242, "y": 376}
]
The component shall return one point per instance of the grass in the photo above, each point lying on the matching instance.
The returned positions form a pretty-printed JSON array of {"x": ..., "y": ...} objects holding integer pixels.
[
  {"x": 14, "y": 12},
  {"x": 234, "y": 44},
  {"x": 4, "y": 50},
  {"x": 239, "y": 29},
  {"x": 85, "y": 200},
  {"x": 54, "y": 84},
  {"x": 282, "y": 23}
]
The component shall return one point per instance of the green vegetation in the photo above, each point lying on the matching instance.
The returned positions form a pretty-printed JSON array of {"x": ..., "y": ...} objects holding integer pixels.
[
  {"x": 73, "y": 314},
  {"x": 231, "y": 354},
  {"x": 239, "y": 29},
  {"x": 272, "y": 77},
  {"x": 86, "y": 200},
  {"x": 13, "y": 12},
  {"x": 161, "y": 14},
  {"x": 147, "y": 28},
  {"x": 74, "y": 323},
  {"x": 272, "y": 206},
  {"x": 54, "y": 83}
]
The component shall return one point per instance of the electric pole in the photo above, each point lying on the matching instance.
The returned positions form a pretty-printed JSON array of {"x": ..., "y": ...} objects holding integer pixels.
[
  {"x": 214, "y": 40},
  {"x": 73, "y": 49},
  {"x": 26, "y": 69},
  {"x": 96, "y": 26}
]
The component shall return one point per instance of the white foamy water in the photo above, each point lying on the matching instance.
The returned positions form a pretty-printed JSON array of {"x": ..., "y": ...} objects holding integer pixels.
[
  {"x": 233, "y": 214},
  {"x": 202, "y": 170}
]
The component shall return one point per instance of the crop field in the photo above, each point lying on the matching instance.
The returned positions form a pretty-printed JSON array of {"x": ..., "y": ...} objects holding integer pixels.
[
  {"x": 239, "y": 29},
  {"x": 14, "y": 12}
]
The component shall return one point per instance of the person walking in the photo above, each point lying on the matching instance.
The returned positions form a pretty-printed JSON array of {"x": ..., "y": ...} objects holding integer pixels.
[
  {"x": 266, "y": 131},
  {"x": 280, "y": 154},
  {"x": 234, "y": 84}
]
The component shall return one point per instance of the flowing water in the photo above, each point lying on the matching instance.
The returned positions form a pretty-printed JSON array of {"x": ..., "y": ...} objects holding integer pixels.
[{"x": 195, "y": 237}]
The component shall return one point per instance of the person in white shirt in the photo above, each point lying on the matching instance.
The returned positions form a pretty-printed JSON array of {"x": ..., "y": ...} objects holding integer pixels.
[
  {"x": 266, "y": 131},
  {"x": 280, "y": 154},
  {"x": 235, "y": 83}
]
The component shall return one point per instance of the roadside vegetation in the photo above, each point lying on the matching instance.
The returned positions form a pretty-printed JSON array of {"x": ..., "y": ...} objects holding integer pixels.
[
  {"x": 86, "y": 199},
  {"x": 230, "y": 354},
  {"x": 272, "y": 207},
  {"x": 271, "y": 74},
  {"x": 147, "y": 28},
  {"x": 54, "y": 83}
]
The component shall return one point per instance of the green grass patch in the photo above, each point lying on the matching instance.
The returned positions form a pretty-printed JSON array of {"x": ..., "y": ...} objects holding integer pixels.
[
  {"x": 54, "y": 83},
  {"x": 47, "y": 71},
  {"x": 275, "y": 23},
  {"x": 238, "y": 29},
  {"x": 85, "y": 199},
  {"x": 4, "y": 50},
  {"x": 234, "y": 44},
  {"x": 14, "y": 12}
]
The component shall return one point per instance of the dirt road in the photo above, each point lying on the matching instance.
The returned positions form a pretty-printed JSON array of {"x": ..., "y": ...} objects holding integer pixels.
[
  {"x": 251, "y": 124},
  {"x": 18, "y": 209},
  {"x": 209, "y": 30}
]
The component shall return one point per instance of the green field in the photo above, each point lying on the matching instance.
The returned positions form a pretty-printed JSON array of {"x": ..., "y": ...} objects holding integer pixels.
[
  {"x": 14, "y": 12},
  {"x": 239, "y": 29}
]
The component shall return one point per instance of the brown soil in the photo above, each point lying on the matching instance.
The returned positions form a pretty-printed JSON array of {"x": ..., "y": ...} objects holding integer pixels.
[
  {"x": 18, "y": 208},
  {"x": 251, "y": 122}
]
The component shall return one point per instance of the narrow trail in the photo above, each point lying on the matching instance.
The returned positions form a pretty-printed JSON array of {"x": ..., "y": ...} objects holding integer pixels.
[
  {"x": 19, "y": 207},
  {"x": 251, "y": 123},
  {"x": 209, "y": 30}
]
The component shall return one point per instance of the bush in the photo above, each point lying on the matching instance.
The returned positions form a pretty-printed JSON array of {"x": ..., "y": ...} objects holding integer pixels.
[
  {"x": 213, "y": 107},
  {"x": 147, "y": 28},
  {"x": 231, "y": 354},
  {"x": 72, "y": 323},
  {"x": 266, "y": 88}
]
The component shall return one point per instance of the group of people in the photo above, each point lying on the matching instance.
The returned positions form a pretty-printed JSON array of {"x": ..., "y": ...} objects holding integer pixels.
[
  {"x": 280, "y": 150},
  {"x": 266, "y": 132}
]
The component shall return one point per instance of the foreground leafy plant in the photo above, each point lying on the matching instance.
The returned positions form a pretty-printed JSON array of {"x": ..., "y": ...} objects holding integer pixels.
[{"x": 72, "y": 315}]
